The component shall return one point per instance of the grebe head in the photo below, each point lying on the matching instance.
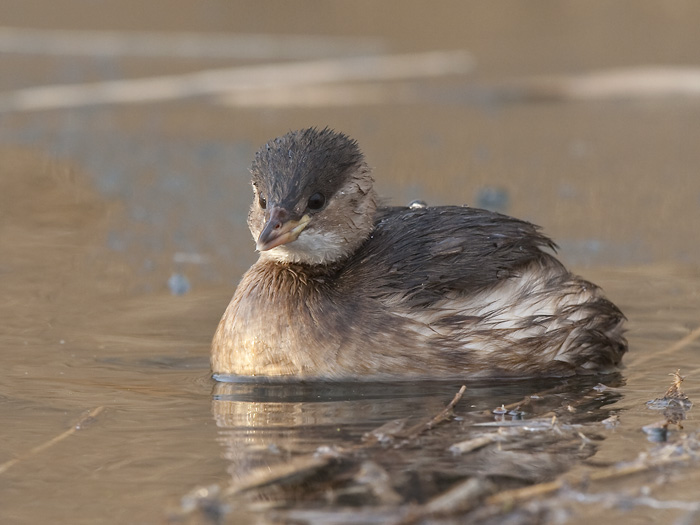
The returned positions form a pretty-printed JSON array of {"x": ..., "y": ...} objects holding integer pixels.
[{"x": 314, "y": 200}]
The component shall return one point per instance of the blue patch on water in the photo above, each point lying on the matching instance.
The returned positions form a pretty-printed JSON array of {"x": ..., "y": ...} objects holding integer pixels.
[{"x": 178, "y": 284}]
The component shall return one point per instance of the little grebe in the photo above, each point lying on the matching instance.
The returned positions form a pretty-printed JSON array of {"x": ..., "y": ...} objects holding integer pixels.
[{"x": 347, "y": 289}]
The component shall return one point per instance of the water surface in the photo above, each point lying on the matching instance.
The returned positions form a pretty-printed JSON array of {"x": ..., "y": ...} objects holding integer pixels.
[{"x": 122, "y": 236}]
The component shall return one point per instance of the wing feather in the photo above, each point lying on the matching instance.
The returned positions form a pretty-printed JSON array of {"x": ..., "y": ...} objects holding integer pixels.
[{"x": 443, "y": 251}]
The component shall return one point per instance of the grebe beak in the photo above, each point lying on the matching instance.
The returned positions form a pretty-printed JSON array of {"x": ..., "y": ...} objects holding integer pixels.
[{"x": 280, "y": 230}]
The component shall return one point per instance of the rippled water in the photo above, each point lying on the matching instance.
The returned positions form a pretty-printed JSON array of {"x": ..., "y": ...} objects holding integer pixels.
[{"x": 122, "y": 236}]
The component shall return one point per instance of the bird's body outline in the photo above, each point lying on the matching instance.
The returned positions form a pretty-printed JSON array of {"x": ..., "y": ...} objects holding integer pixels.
[{"x": 399, "y": 292}]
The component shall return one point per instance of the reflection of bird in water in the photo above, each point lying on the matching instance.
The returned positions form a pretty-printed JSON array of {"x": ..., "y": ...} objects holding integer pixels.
[
  {"x": 345, "y": 288},
  {"x": 320, "y": 447}
]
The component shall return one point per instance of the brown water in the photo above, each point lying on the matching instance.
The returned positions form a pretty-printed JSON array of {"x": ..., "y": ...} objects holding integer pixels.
[{"x": 109, "y": 413}]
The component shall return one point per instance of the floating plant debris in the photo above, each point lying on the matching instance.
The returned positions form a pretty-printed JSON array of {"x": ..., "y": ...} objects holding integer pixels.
[{"x": 675, "y": 405}]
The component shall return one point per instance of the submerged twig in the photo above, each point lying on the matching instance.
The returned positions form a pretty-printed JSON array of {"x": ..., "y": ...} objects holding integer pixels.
[
  {"x": 444, "y": 415},
  {"x": 51, "y": 442},
  {"x": 462, "y": 497},
  {"x": 525, "y": 401},
  {"x": 514, "y": 496},
  {"x": 674, "y": 397},
  {"x": 476, "y": 491},
  {"x": 396, "y": 429},
  {"x": 296, "y": 469},
  {"x": 470, "y": 445},
  {"x": 675, "y": 403}
]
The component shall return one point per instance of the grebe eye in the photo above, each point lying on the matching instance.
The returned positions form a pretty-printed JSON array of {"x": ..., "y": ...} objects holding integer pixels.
[
  {"x": 262, "y": 202},
  {"x": 316, "y": 201}
]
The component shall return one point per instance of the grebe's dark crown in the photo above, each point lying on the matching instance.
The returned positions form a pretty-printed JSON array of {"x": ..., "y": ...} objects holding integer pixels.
[{"x": 304, "y": 161}]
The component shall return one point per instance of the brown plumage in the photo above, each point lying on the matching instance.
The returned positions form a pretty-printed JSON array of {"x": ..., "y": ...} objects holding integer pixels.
[{"x": 345, "y": 289}]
